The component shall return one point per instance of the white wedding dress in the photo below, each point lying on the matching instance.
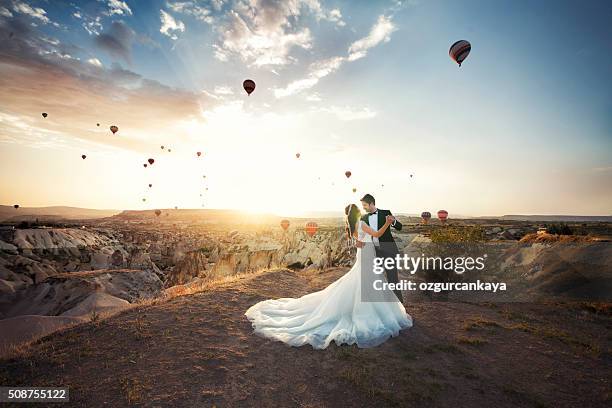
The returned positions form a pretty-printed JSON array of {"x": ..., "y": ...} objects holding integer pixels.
[{"x": 336, "y": 313}]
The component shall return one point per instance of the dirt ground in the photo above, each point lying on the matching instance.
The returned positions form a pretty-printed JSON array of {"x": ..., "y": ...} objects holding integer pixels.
[{"x": 199, "y": 350}]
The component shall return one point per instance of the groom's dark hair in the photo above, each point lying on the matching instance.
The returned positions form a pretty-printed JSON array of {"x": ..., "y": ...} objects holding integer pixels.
[{"x": 368, "y": 198}]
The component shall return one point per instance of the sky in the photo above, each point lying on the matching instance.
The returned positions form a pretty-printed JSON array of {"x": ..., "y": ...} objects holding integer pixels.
[{"x": 524, "y": 126}]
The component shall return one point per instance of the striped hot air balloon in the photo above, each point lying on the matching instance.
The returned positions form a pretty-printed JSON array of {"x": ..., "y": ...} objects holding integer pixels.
[
  {"x": 459, "y": 51},
  {"x": 311, "y": 228},
  {"x": 442, "y": 216},
  {"x": 284, "y": 224},
  {"x": 426, "y": 216}
]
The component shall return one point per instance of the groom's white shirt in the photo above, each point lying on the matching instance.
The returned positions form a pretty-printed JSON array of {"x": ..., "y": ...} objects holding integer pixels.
[{"x": 373, "y": 221}]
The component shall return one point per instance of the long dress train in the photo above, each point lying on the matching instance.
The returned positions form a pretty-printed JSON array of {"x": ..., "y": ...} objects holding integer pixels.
[{"x": 337, "y": 313}]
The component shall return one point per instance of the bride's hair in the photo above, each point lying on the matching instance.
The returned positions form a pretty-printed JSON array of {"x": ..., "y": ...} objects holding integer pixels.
[{"x": 352, "y": 216}]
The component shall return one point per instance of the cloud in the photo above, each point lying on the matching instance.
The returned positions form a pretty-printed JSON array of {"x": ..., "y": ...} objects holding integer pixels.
[
  {"x": 264, "y": 41},
  {"x": 347, "y": 113},
  {"x": 5, "y": 12},
  {"x": 192, "y": 9},
  {"x": 36, "y": 76},
  {"x": 170, "y": 26},
  {"x": 380, "y": 32},
  {"x": 317, "y": 70},
  {"x": 118, "y": 7},
  {"x": 34, "y": 12},
  {"x": 117, "y": 41},
  {"x": 37, "y": 13},
  {"x": 93, "y": 26},
  {"x": 94, "y": 61},
  {"x": 223, "y": 90},
  {"x": 265, "y": 32}
]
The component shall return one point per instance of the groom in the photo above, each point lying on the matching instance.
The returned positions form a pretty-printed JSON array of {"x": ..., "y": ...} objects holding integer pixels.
[{"x": 385, "y": 245}]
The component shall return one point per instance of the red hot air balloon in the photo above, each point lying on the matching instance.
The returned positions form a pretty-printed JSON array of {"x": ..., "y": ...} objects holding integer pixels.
[
  {"x": 158, "y": 212},
  {"x": 151, "y": 161},
  {"x": 83, "y": 157},
  {"x": 284, "y": 224},
  {"x": 16, "y": 206},
  {"x": 249, "y": 86},
  {"x": 114, "y": 129},
  {"x": 426, "y": 216},
  {"x": 459, "y": 51},
  {"x": 145, "y": 164},
  {"x": 199, "y": 154},
  {"x": 442, "y": 216},
  {"x": 311, "y": 228},
  {"x": 44, "y": 114},
  {"x": 347, "y": 174}
]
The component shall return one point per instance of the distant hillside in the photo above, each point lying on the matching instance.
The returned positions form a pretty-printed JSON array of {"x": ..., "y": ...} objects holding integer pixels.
[
  {"x": 10, "y": 214},
  {"x": 559, "y": 218},
  {"x": 219, "y": 216}
]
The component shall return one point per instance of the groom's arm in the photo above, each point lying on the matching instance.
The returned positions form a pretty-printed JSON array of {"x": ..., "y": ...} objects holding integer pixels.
[{"x": 396, "y": 224}]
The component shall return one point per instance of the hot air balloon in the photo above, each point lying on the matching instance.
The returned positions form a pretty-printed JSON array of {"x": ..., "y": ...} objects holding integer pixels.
[
  {"x": 297, "y": 155},
  {"x": 442, "y": 216},
  {"x": 169, "y": 150},
  {"x": 199, "y": 154},
  {"x": 16, "y": 206},
  {"x": 176, "y": 207},
  {"x": 151, "y": 161},
  {"x": 145, "y": 164},
  {"x": 347, "y": 174},
  {"x": 204, "y": 176},
  {"x": 97, "y": 124},
  {"x": 311, "y": 228},
  {"x": 249, "y": 86},
  {"x": 354, "y": 190},
  {"x": 162, "y": 147},
  {"x": 459, "y": 51},
  {"x": 44, "y": 114},
  {"x": 158, "y": 212},
  {"x": 284, "y": 224},
  {"x": 150, "y": 185},
  {"x": 114, "y": 129},
  {"x": 144, "y": 199},
  {"x": 411, "y": 176},
  {"x": 426, "y": 216},
  {"x": 83, "y": 156}
]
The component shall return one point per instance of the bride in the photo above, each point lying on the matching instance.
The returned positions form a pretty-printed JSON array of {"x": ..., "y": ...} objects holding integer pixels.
[{"x": 342, "y": 312}]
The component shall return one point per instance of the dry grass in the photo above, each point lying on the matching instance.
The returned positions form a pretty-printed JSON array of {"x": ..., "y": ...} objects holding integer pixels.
[
  {"x": 554, "y": 238},
  {"x": 479, "y": 323},
  {"x": 471, "y": 341}
]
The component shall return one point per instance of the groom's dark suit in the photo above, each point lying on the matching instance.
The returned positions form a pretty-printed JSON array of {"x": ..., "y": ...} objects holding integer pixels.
[{"x": 387, "y": 247}]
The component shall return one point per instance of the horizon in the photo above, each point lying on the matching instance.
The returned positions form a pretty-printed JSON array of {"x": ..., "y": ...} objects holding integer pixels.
[
  {"x": 297, "y": 215},
  {"x": 370, "y": 88}
]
